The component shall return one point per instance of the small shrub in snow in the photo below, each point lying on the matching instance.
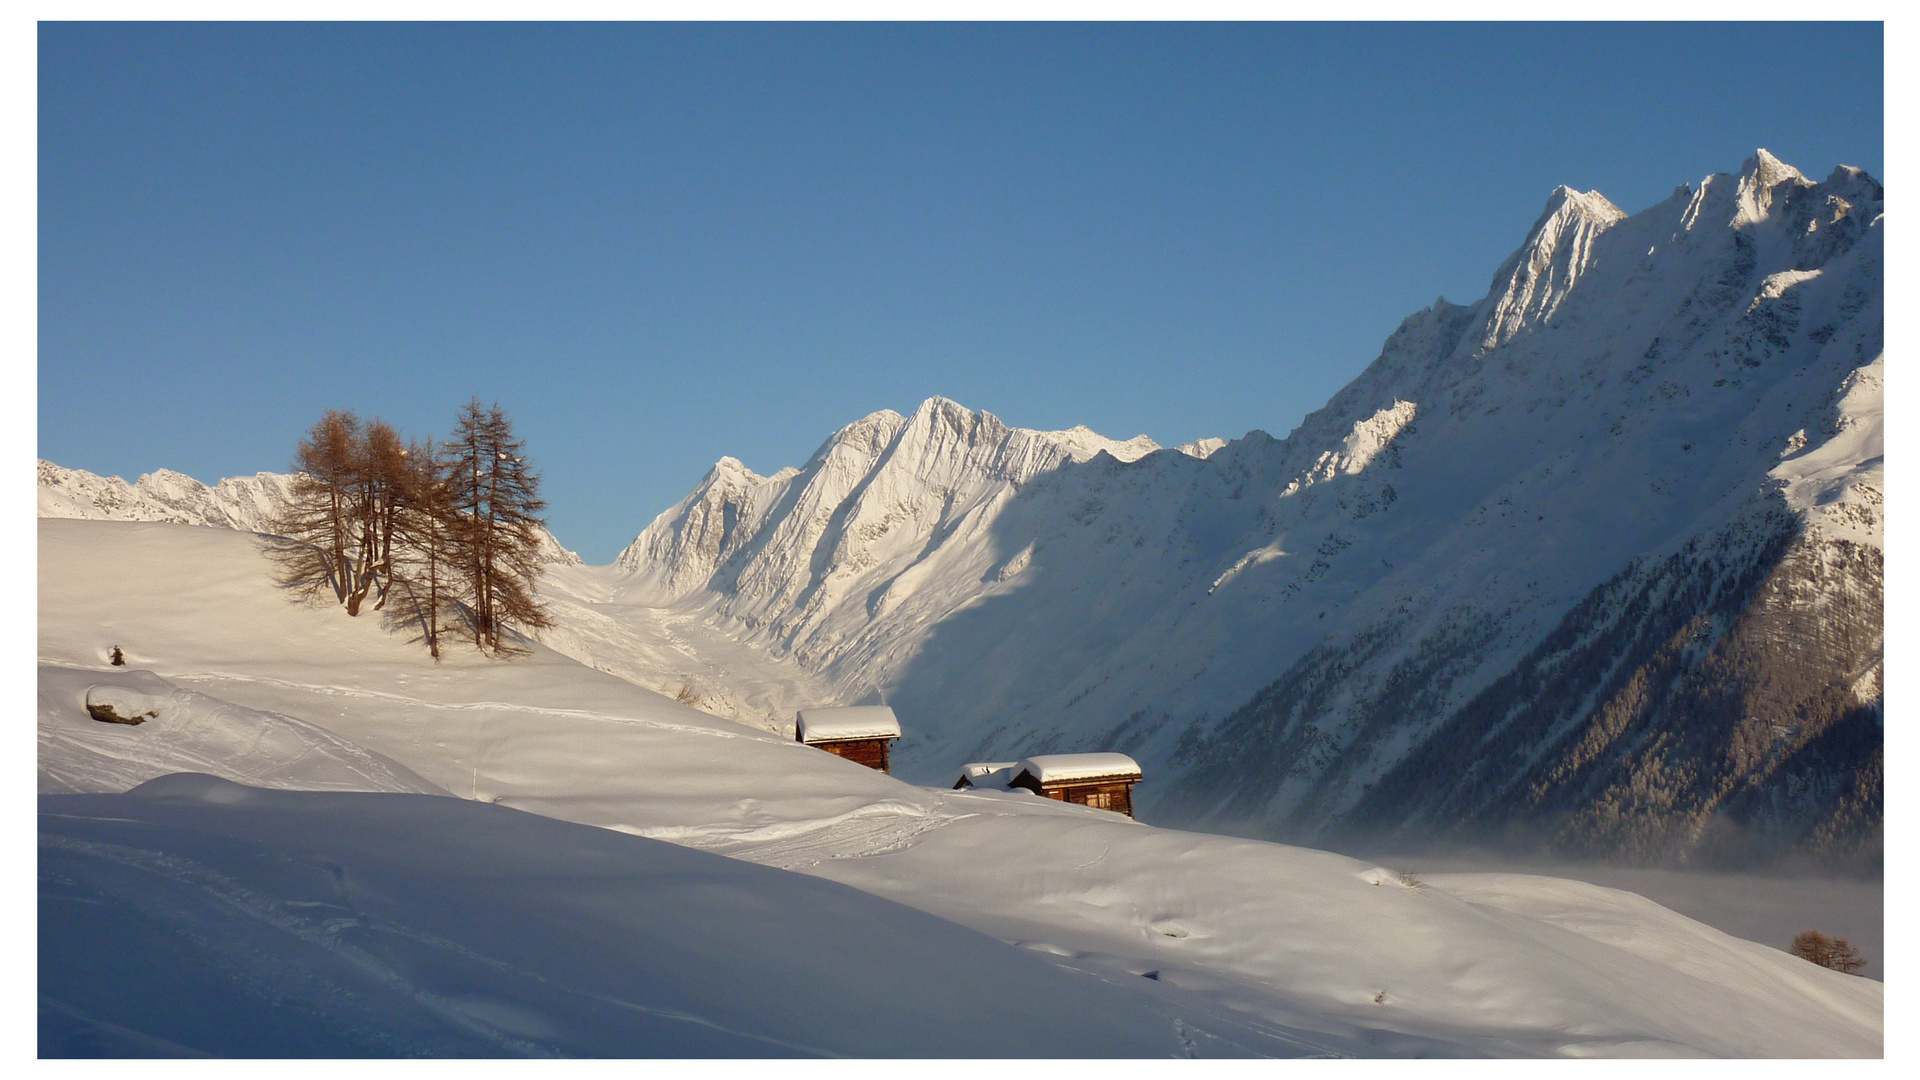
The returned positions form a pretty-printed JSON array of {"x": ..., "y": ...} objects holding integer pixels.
[
  {"x": 118, "y": 659},
  {"x": 687, "y": 695}
]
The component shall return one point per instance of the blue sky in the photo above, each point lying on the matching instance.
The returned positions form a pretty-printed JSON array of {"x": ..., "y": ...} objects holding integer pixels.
[{"x": 657, "y": 244}]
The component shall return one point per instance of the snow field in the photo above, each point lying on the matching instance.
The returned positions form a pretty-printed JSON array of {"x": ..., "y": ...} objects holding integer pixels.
[
  {"x": 195, "y": 916},
  {"x": 1289, "y": 939}
]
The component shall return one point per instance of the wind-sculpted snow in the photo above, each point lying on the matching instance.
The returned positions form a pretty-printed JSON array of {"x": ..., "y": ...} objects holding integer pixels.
[
  {"x": 1631, "y": 388},
  {"x": 192, "y": 916},
  {"x": 185, "y": 731},
  {"x": 196, "y": 914}
]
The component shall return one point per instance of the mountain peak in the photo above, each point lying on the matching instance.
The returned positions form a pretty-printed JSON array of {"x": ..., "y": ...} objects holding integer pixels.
[
  {"x": 1533, "y": 282},
  {"x": 1761, "y": 176},
  {"x": 1588, "y": 205},
  {"x": 1082, "y": 443},
  {"x": 732, "y": 467},
  {"x": 941, "y": 406},
  {"x": 1767, "y": 169}
]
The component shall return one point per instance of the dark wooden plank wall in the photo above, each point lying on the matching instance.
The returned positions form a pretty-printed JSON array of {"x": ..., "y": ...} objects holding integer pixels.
[
  {"x": 1115, "y": 795},
  {"x": 869, "y": 752}
]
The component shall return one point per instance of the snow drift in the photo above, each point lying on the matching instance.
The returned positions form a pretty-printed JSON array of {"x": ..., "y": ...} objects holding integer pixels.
[{"x": 195, "y": 916}]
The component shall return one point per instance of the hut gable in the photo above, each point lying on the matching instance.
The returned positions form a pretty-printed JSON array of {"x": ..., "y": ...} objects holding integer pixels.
[
  {"x": 859, "y": 733},
  {"x": 1103, "y": 781}
]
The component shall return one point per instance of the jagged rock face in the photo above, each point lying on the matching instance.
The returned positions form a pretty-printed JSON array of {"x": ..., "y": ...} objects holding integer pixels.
[
  {"x": 246, "y": 503},
  {"x": 1720, "y": 706},
  {"x": 1516, "y": 579},
  {"x": 887, "y": 503}
]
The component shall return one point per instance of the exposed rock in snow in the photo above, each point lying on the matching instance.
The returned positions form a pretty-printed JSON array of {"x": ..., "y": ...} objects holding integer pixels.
[
  {"x": 185, "y": 731},
  {"x": 121, "y": 705}
]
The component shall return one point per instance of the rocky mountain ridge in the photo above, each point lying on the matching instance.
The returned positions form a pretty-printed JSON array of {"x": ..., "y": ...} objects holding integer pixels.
[
  {"x": 245, "y": 503},
  {"x": 1573, "y": 528}
]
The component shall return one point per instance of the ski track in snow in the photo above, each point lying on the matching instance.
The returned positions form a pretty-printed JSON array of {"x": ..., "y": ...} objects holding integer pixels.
[{"x": 874, "y": 829}]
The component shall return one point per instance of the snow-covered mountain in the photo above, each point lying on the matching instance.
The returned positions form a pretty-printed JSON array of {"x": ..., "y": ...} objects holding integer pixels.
[
  {"x": 243, "y": 502},
  {"x": 1594, "y": 560}
]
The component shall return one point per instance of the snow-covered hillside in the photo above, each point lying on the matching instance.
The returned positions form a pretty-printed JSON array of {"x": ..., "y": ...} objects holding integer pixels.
[
  {"x": 198, "y": 915},
  {"x": 195, "y": 916},
  {"x": 1593, "y": 561}
]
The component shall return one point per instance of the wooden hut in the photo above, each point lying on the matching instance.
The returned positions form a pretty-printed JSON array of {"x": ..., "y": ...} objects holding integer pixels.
[
  {"x": 1103, "y": 781},
  {"x": 861, "y": 733}
]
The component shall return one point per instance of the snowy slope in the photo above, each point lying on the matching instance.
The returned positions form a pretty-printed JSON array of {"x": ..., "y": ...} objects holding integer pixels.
[
  {"x": 195, "y": 916},
  {"x": 1654, "y": 429},
  {"x": 1242, "y": 946},
  {"x": 186, "y": 731}
]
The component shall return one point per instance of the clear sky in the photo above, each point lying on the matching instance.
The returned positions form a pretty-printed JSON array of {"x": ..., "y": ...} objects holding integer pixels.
[{"x": 657, "y": 244}]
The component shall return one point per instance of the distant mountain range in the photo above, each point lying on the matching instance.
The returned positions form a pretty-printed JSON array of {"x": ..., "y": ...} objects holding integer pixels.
[
  {"x": 241, "y": 502},
  {"x": 1593, "y": 563}
]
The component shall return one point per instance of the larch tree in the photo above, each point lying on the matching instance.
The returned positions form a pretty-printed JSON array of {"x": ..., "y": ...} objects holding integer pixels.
[
  {"x": 378, "y": 480},
  {"x": 316, "y": 545},
  {"x": 422, "y": 560},
  {"x": 1828, "y": 952},
  {"x": 495, "y": 526}
]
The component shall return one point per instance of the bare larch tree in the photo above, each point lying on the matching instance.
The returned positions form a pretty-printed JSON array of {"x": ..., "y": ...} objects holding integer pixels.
[
  {"x": 315, "y": 548},
  {"x": 422, "y": 546},
  {"x": 493, "y": 496}
]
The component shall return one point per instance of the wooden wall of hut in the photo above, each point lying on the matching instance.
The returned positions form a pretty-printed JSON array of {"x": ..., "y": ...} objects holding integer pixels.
[
  {"x": 869, "y": 752},
  {"x": 1115, "y": 795}
]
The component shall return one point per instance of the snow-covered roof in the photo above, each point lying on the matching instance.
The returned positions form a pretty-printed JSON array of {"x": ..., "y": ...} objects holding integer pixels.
[
  {"x": 1049, "y": 768},
  {"x": 848, "y": 722},
  {"x": 985, "y": 773}
]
